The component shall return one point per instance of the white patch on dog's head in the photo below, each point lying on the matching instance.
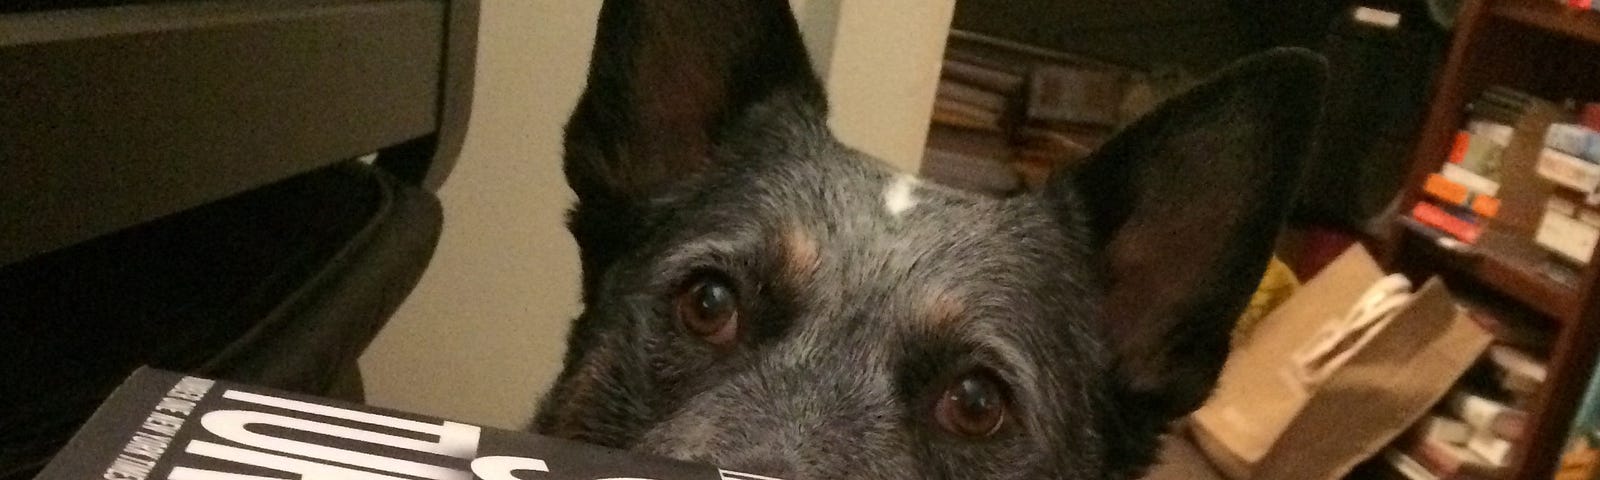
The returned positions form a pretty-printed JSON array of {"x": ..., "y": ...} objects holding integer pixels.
[{"x": 901, "y": 194}]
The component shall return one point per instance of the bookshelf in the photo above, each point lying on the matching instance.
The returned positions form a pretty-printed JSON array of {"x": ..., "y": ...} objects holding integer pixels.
[{"x": 1541, "y": 47}]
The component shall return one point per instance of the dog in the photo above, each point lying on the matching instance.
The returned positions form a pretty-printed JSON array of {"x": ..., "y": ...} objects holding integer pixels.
[{"x": 760, "y": 297}]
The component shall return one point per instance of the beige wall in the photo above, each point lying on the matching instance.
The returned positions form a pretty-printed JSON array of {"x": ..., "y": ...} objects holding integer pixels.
[
  {"x": 481, "y": 337},
  {"x": 882, "y": 72}
]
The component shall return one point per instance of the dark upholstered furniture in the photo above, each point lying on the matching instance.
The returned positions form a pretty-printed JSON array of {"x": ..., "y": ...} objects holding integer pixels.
[{"x": 180, "y": 187}]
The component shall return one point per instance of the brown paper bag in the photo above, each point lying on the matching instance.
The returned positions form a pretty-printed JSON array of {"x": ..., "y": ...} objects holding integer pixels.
[{"x": 1274, "y": 417}]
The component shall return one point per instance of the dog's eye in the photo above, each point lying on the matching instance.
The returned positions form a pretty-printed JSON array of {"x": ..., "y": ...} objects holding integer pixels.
[
  {"x": 974, "y": 406},
  {"x": 709, "y": 309}
]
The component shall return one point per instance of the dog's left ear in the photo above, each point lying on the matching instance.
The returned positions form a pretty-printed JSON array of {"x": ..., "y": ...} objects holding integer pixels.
[
  {"x": 669, "y": 78},
  {"x": 668, "y": 82},
  {"x": 1184, "y": 208}
]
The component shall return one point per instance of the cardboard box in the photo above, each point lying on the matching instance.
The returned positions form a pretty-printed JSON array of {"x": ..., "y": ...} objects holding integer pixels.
[{"x": 164, "y": 425}]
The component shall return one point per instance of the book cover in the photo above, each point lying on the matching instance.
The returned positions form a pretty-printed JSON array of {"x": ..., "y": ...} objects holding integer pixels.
[{"x": 165, "y": 425}]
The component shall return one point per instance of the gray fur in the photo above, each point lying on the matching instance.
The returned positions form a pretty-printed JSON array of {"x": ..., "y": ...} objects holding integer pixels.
[{"x": 834, "y": 371}]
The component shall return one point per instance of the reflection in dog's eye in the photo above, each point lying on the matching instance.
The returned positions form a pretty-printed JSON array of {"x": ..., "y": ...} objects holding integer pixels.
[
  {"x": 973, "y": 406},
  {"x": 709, "y": 308}
]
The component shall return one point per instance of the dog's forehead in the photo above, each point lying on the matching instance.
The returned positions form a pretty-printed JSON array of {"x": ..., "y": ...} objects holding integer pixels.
[{"x": 851, "y": 222}]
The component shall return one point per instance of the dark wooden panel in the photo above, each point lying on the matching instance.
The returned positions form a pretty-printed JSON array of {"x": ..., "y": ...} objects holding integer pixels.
[{"x": 164, "y": 107}]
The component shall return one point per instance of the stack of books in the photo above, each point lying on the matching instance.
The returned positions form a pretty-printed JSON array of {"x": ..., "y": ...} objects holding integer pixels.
[
  {"x": 1570, "y": 160},
  {"x": 1472, "y": 433},
  {"x": 1464, "y": 194},
  {"x": 1009, "y": 114}
]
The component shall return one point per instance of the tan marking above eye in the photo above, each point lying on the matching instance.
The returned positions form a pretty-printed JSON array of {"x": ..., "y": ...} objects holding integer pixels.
[
  {"x": 801, "y": 254},
  {"x": 943, "y": 307}
]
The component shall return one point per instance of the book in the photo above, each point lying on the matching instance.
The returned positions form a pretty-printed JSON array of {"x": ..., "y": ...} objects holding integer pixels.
[
  {"x": 1572, "y": 238},
  {"x": 1452, "y": 193},
  {"x": 954, "y": 91},
  {"x": 1499, "y": 133},
  {"x": 1467, "y": 178},
  {"x": 1487, "y": 417},
  {"x": 981, "y": 76},
  {"x": 1574, "y": 139},
  {"x": 1492, "y": 449},
  {"x": 1476, "y": 153},
  {"x": 1076, "y": 95},
  {"x": 1517, "y": 365},
  {"x": 165, "y": 425},
  {"x": 1441, "y": 428},
  {"x": 1436, "y": 217},
  {"x": 1568, "y": 171},
  {"x": 1449, "y": 460},
  {"x": 1407, "y": 466}
]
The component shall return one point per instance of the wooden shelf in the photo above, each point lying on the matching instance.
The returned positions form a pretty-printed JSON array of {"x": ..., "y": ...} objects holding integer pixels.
[
  {"x": 1547, "y": 15},
  {"x": 1511, "y": 270},
  {"x": 1490, "y": 46}
]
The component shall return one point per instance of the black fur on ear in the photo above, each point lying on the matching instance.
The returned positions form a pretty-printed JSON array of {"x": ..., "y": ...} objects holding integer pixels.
[
  {"x": 667, "y": 81},
  {"x": 1184, "y": 208}
]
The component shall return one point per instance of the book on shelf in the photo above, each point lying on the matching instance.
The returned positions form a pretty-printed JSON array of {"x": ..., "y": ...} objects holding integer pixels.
[
  {"x": 1569, "y": 228},
  {"x": 954, "y": 91},
  {"x": 1477, "y": 153},
  {"x": 1006, "y": 110},
  {"x": 1443, "y": 189},
  {"x": 1407, "y": 467},
  {"x": 983, "y": 76},
  {"x": 1574, "y": 139},
  {"x": 1441, "y": 427},
  {"x": 1489, "y": 419},
  {"x": 1471, "y": 180},
  {"x": 1076, "y": 95},
  {"x": 1569, "y": 171},
  {"x": 1462, "y": 226},
  {"x": 1491, "y": 448},
  {"x": 1446, "y": 459}
]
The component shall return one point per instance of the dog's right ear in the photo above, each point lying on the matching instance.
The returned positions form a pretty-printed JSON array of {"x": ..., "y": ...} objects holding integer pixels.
[
  {"x": 1184, "y": 207},
  {"x": 669, "y": 78}
]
